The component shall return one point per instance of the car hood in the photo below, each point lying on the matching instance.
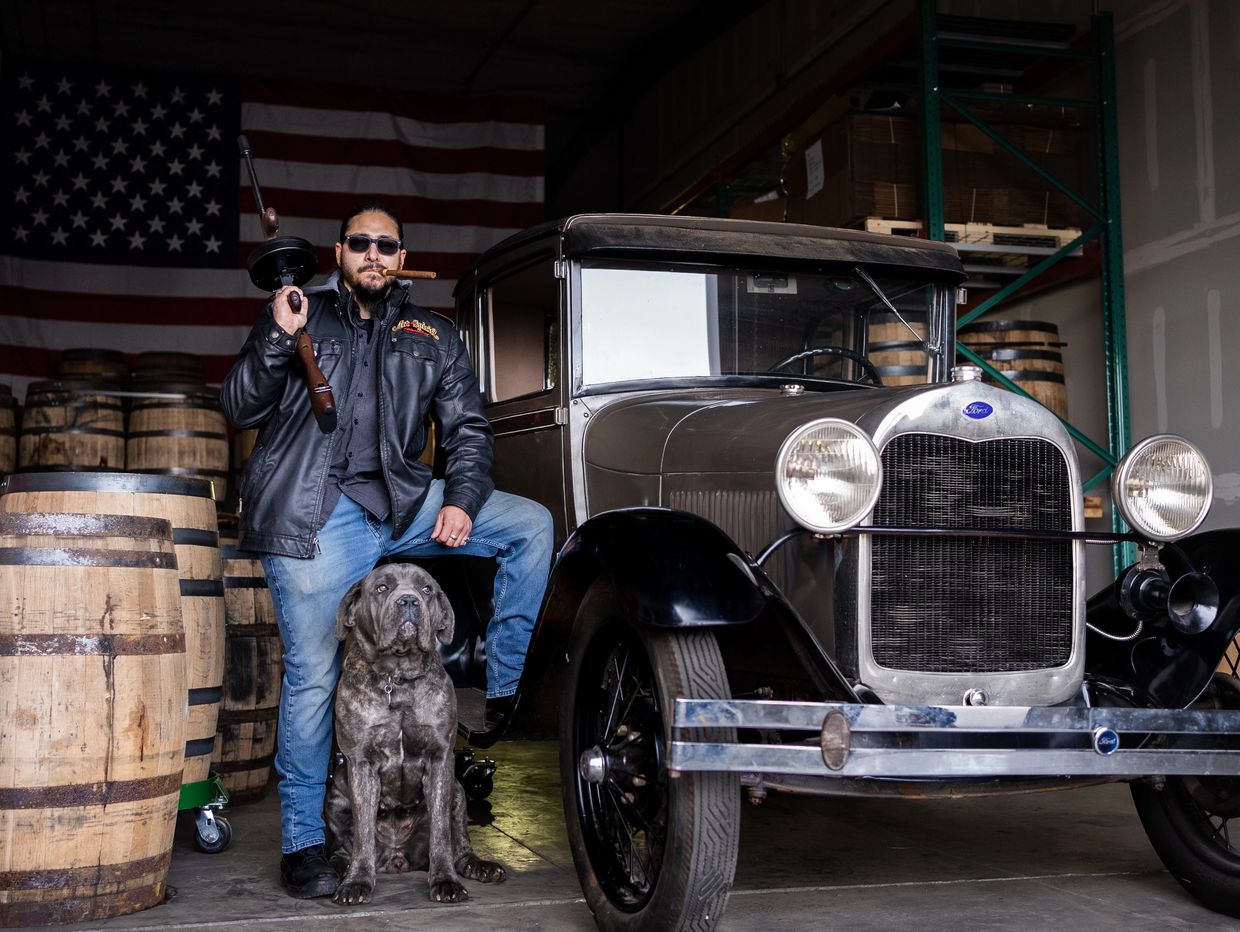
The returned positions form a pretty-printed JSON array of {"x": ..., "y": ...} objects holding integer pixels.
[{"x": 715, "y": 432}]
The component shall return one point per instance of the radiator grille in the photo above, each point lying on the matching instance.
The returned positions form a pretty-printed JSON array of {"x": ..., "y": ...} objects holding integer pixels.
[{"x": 967, "y": 604}]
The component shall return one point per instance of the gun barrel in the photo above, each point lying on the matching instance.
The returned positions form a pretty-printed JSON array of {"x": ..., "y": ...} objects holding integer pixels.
[{"x": 244, "y": 145}]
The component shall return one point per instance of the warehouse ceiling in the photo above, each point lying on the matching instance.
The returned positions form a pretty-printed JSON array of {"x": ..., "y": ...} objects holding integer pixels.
[{"x": 589, "y": 61}]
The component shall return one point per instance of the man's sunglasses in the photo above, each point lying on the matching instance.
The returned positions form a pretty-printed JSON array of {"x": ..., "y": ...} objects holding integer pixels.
[{"x": 360, "y": 242}]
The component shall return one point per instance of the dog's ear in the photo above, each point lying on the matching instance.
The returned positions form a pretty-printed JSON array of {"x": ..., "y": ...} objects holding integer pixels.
[
  {"x": 348, "y": 605},
  {"x": 445, "y": 625}
]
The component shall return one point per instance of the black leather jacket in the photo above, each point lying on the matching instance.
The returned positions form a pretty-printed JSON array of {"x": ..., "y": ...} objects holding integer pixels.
[{"x": 423, "y": 369}]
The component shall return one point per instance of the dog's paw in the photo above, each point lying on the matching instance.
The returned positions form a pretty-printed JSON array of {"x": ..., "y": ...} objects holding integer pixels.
[
  {"x": 448, "y": 891},
  {"x": 353, "y": 892},
  {"x": 486, "y": 871}
]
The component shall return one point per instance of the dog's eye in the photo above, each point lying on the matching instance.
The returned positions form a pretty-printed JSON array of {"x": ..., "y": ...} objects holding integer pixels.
[
  {"x": 426, "y": 589},
  {"x": 381, "y": 588}
]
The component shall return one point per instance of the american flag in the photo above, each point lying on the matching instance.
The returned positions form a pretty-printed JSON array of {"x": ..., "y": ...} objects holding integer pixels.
[{"x": 129, "y": 216}]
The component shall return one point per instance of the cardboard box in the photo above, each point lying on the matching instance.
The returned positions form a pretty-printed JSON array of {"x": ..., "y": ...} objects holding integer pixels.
[
  {"x": 869, "y": 165},
  {"x": 861, "y": 165}
]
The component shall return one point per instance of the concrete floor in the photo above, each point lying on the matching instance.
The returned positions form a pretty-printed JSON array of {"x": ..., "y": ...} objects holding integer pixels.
[{"x": 1066, "y": 860}]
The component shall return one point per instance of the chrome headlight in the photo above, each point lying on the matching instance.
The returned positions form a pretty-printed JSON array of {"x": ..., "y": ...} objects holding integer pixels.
[
  {"x": 1163, "y": 487},
  {"x": 828, "y": 474}
]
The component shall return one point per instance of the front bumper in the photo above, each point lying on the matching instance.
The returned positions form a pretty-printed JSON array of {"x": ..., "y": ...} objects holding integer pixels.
[{"x": 913, "y": 742}]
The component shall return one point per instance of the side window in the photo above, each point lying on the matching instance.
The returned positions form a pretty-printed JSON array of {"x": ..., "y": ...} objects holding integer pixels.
[{"x": 521, "y": 322}]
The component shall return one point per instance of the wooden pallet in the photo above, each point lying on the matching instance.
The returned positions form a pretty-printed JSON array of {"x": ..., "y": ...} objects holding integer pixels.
[{"x": 987, "y": 234}]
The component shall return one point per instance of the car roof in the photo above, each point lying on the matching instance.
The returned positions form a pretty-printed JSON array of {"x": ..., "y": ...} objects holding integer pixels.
[{"x": 708, "y": 238}]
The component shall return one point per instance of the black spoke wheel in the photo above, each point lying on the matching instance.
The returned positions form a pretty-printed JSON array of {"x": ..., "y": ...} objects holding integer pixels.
[
  {"x": 1193, "y": 823},
  {"x": 652, "y": 851}
]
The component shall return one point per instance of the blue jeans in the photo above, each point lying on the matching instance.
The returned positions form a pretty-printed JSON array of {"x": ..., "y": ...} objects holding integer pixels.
[{"x": 515, "y": 530}]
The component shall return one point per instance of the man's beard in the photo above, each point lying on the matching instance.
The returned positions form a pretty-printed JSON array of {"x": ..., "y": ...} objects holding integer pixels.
[{"x": 370, "y": 297}]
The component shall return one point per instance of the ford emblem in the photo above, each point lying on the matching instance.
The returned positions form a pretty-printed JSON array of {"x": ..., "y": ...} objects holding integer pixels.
[
  {"x": 1106, "y": 740},
  {"x": 978, "y": 410}
]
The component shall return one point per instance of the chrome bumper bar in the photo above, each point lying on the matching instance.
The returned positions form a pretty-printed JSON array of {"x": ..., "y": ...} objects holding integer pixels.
[{"x": 883, "y": 741}]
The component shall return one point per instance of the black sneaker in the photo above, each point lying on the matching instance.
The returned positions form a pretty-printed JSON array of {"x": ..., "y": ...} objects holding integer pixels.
[{"x": 307, "y": 873}]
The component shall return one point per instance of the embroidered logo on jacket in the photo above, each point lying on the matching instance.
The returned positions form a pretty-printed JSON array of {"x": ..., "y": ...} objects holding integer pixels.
[{"x": 416, "y": 326}]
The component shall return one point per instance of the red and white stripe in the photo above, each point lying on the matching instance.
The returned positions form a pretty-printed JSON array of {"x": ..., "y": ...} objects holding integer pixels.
[{"x": 462, "y": 175}]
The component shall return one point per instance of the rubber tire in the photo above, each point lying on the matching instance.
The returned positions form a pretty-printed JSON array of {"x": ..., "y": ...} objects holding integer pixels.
[
  {"x": 699, "y": 856},
  {"x": 1173, "y": 824},
  {"x": 220, "y": 843}
]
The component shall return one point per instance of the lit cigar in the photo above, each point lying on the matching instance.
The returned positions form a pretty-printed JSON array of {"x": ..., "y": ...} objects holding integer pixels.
[{"x": 408, "y": 273}]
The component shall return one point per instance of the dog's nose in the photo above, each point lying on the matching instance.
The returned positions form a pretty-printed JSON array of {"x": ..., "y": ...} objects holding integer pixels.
[{"x": 407, "y": 608}]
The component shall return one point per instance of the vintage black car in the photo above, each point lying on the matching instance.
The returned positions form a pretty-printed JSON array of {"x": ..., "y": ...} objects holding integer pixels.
[{"x": 776, "y": 572}]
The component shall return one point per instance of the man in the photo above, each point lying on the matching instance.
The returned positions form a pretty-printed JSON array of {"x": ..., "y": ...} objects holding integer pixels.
[{"x": 323, "y": 508}]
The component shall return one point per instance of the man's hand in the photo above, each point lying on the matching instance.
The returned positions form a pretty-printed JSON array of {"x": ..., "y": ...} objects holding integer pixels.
[
  {"x": 452, "y": 527},
  {"x": 288, "y": 319}
]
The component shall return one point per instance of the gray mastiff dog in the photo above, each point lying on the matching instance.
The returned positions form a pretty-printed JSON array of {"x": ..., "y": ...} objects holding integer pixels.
[{"x": 395, "y": 804}]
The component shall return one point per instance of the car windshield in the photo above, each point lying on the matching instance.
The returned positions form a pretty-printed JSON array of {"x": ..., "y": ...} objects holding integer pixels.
[{"x": 668, "y": 322}]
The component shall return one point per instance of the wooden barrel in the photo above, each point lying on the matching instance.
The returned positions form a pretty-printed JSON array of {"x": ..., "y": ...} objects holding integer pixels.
[
  {"x": 1047, "y": 387},
  {"x": 187, "y": 504},
  {"x": 1022, "y": 358},
  {"x": 894, "y": 345},
  {"x": 70, "y": 424},
  {"x": 903, "y": 374},
  {"x": 8, "y": 430},
  {"x": 93, "y": 364},
  {"x": 1010, "y": 332},
  {"x": 885, "y": 327},
  {"x": 1025, "y": 351},
  {"x": 162, "y": 368},
  {"x": 245, "y": 744},
  {"x": 180, "y": 435},
  {"x": 92, "y": 723}
]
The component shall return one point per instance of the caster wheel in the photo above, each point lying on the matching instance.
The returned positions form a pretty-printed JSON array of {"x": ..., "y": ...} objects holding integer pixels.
[
  {"x": 477, "y": 780},
  {"x": 222, "y": 832},
  {"x": 463, "y": 759}
]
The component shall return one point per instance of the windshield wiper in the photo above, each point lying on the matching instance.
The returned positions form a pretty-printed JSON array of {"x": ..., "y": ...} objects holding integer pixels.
[{"x": 861, "y": 273}]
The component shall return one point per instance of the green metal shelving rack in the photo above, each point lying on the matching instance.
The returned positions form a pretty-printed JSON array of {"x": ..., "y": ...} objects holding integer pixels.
[{"x": 1105, "y": 213}]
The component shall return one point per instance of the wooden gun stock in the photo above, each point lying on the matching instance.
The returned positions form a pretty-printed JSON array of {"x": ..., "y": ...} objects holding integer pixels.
[{"x": 319, "y": 390}]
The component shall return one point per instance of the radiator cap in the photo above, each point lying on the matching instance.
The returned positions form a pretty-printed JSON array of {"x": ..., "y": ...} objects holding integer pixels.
[{"x": 966, "y": 374}]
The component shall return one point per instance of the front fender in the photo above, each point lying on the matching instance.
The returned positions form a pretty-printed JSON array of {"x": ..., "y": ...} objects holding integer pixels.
[
  {"x": 670, "y": 569},
  {"x": 674, "y": 569},
  {"x": 1165, "y": 665}
]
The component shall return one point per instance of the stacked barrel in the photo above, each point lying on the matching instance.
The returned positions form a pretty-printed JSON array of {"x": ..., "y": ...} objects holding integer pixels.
[
  {"x": 187, "y": 505},
  {"x": 253, "y": 669},
  {"x": 895, "y": 344},
  {"x": 1028, "y": 352},
  {"x": 99, "y": 415},
  {"x": 92, "y": 716},
  {"x": 124, "y": 567},
  {"x": 8, "y": 430}
]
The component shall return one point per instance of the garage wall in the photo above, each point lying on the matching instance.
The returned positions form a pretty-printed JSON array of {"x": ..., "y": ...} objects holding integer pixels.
[{"x": 1178, "y": 70}]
